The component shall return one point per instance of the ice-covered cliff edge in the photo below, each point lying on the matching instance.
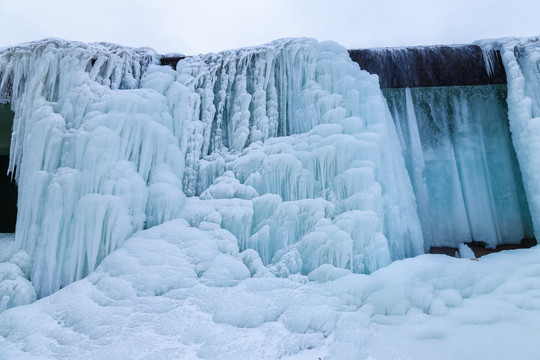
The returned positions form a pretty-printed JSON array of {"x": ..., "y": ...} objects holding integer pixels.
[{"x": 288, "y": 146}]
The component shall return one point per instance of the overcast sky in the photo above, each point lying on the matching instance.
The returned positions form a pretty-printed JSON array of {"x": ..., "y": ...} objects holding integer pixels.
[{"x": 201, "y": 26}]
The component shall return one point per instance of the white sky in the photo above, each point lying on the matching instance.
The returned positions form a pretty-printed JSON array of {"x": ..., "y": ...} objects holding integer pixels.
[{"x": 200, "y": 26}]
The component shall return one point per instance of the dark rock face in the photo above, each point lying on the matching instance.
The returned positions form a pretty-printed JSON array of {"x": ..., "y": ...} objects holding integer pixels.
[
  {"x": 423, "y": 66},
  {"x": 427, "y": 66},
  {"x": 8, "y": 198},
  {"x": 8, "y": 188},
  {"x": 171, "y": 61},
  {"x": 480, "y": 248}
]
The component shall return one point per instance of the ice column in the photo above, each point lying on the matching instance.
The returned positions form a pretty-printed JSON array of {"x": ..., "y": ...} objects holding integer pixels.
[{"x": 521, "y": 58}]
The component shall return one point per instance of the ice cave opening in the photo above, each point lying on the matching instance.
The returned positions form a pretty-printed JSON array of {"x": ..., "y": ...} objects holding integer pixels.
[{"x": 8, "y": 187}]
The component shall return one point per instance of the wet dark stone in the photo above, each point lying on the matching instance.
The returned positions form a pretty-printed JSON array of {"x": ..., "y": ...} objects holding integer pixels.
[
  {"x": 8, "y": 198},
  {"x": 426, "y": 66},
  {"x": 171, "y": 61},
  {"x": 423, "y": 66},
  {"x": 480, "y": 249},
  {"x": 528, "y": 243}
]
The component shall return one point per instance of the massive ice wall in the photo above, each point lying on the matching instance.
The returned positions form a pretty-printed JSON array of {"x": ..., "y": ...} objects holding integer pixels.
[
  {"x": 452, "y": 122},
  {"x": 288, "y": 146}
]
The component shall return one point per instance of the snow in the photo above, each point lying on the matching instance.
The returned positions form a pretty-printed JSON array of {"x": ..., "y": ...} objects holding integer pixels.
[
  {"x": 176, "y": 291},
  {"x": 264, "y": 203}
]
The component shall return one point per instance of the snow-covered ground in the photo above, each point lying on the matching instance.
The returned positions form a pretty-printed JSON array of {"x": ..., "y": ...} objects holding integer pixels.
[{"x": 178, "y": 292}]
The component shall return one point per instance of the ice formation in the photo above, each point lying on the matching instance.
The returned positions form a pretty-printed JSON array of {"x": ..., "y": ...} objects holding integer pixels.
[
  {"x": 462, "y": 165},
  {"x": 290, "y": 147},
  {"x": 284, "y": 145},
  {"x": 85, "y": 145},
  {"x": 521, "y": 59},
  {"x": 233, "y": 207}
]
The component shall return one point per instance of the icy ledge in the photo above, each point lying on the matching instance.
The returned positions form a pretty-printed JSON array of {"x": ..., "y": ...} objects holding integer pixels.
[{"x": 287, "y": 144}]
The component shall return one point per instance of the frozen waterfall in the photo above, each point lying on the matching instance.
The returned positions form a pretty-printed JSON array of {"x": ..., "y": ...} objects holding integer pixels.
[
  {"x": 461, "y": 162},
  {"x": 248, "y": 204},
  {"x": 288, "y": 147},
  {"x": 449, "y": 104},
  {"x": 287, "y": 153},
  {"x": 521, "y": 58}
]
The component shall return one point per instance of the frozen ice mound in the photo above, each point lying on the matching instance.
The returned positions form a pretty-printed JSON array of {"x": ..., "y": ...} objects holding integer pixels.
[
  {"x": 15, "y": 287},
  {"x": 77, "y": 144}
]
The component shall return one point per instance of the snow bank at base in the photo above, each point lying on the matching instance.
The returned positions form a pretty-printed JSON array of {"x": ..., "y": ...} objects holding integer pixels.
[{"x": 176, "y": 291}]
